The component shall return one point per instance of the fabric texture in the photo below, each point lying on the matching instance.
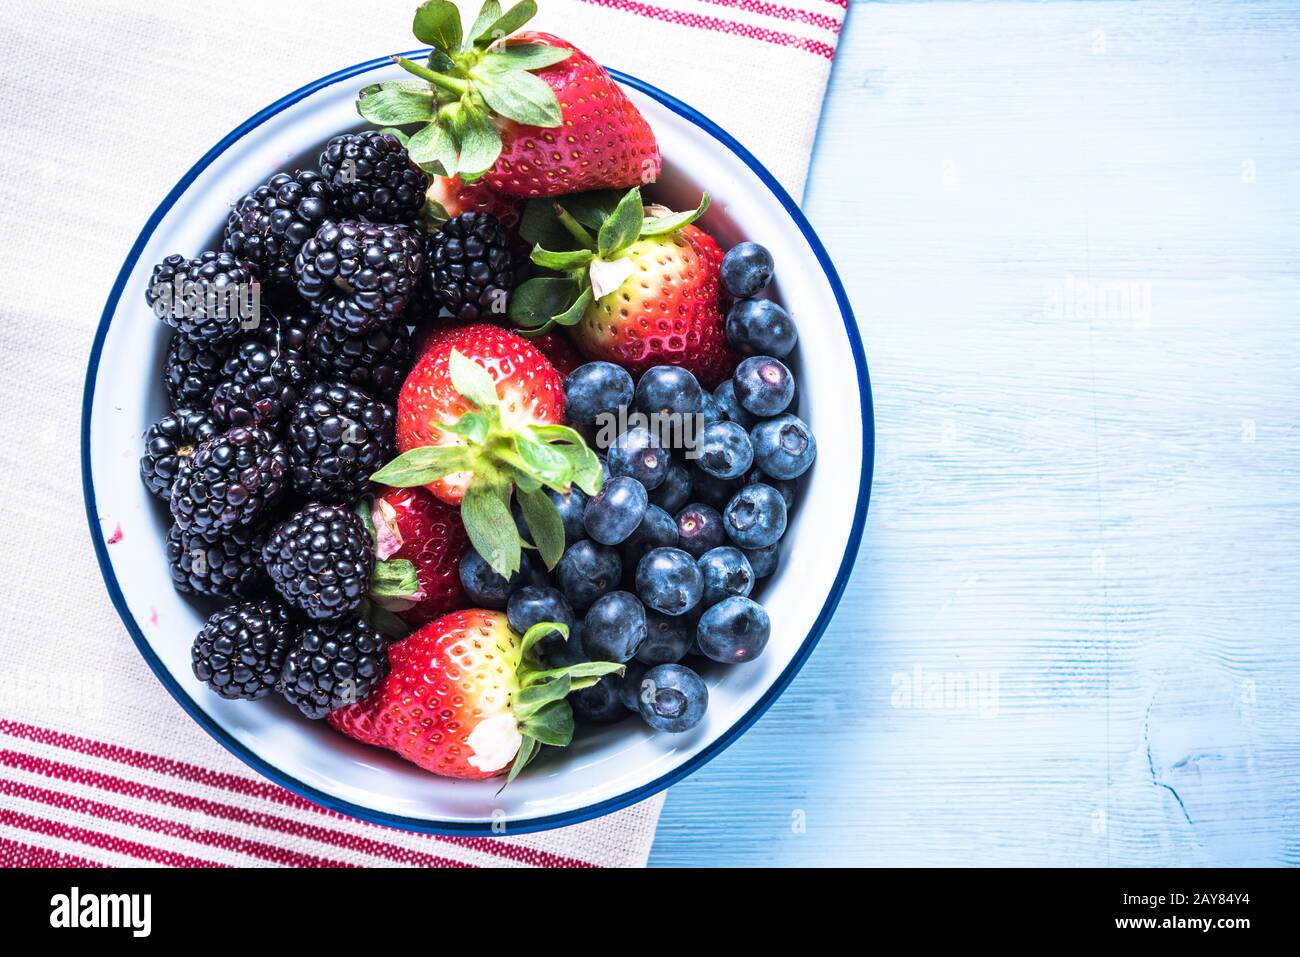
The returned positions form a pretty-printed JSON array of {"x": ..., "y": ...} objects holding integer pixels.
[{"x": 104, "y": 106}]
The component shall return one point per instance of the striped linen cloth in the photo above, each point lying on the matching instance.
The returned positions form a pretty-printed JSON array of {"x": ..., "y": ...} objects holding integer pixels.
[{"x": 105, "y": 106}]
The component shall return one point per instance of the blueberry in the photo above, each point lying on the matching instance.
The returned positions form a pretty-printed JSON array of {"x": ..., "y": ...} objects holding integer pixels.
[
  {"x": 747, "y": 269},
  {"x": 594, "y": 389},
  {"x": 629, "y": 690},
  {"x": 636, "y": 453},
  {"x": 725, "y": 396},
  {"x": 755, "y": 516},
  {"x": 764, "y": 385},
  {"x": 614, "y": 627},
  {"x": 726, "y": 572},
  {"x": 571, "y": 508},
  {"x": 485, "y": 587},
  {"x": 759, "y": 327},
  {"x": 724, "y": 450},
  {"x": 669, "y": 581},
  {"x": 711, "y": 410},
  {"x": 559, "y": 653},
  {"x": 712, "y": 490},
  {"x": 675, "y": 491},
  {"x": 784, "y": 486},
  {"x": 658, "y": 529},
  {"x": 763, "y": 560},
  {"x": 699, "y": 528},
  {"x": 535, "y": 603},
  {"x": 586, "y": 571},
  {"x": 736, "y": 629},
  {"x": 616, "y": 510},
  {"x": 784, "y": 447},
  {"x": 673, "y": 698},
  {"x": 668, "y": 389},
  {"x": 602, "y": 703},
  {"x": 669, "y": 638}
]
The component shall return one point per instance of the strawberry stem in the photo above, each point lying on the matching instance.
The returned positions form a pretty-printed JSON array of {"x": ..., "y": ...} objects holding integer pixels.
[
  {"x": 575, "y": 228},
  {"x": 448, "y": 83}
]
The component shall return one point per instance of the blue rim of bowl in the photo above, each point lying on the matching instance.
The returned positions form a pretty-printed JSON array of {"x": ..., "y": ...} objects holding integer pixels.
[{"x": 455, "y": 828}]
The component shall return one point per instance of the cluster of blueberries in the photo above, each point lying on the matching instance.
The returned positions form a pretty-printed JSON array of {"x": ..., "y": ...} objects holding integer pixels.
[{"x": 660, "y": 564}]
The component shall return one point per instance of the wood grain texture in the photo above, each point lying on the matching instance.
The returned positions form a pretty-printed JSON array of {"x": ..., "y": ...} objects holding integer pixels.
[{"x": 1070, "y": 232}]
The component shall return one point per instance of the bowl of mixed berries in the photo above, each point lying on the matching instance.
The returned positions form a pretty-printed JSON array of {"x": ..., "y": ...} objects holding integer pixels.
[{"x": 481, "y": 392}]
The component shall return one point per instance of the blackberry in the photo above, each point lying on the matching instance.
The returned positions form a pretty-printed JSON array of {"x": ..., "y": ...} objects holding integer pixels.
[
  {"x": 333, "y": 664},
  {"x": 192, "y": 370},
  {"x": 376, "y": 362},
  {"x": 241, "y": 649},
  {"x": 320, "y": 559},
  {"x": 168, "y": 442},
  {"x": 286, "y": 326},
  {"x": 358, "y": 275},
  {"x": 208, "y": 299},
  {"x": 260, "y": 383},
  {"x": 231, "y": 479},
  {"x": 470, "y": 266},
  {"x": 373, "y": 177},
  {"x": 269, "y": 225},
  {"x": 225, "y": 566},
  {"x": 337, "y": 437}
]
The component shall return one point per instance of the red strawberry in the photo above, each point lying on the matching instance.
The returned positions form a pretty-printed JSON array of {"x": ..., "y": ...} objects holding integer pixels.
[
  {"x": 557, "y": 347},
  {"x": 412, "y": 524},
  {"x": 531, "y": 392},
  {"x": 456, "y": 197},
  {"x": 531, "y": 116},
  {"x": 465, "y": 699},
  {"x": 603, "y": 142},
  {"x": 647, "y": 288},
  {"x": 479, "y": 422}
]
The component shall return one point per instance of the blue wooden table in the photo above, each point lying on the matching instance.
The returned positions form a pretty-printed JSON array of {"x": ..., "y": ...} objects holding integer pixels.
[{"x": 1071, "y": 234}]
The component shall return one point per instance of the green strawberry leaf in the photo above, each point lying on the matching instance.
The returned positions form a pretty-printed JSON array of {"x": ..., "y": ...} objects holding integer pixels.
[
  {"x": 440, "y": 61},
  {"x": 528, "y": 701},
  {"x": 485, "y": 513},
  {"x": 592, "y": 208},
  {"x": 433, "y": 149},
  {"x": 395, "y": 578},
  {"x": 399, "y": 134},
  {"x": 623, "y": 226},
  {"x": 394, "y": 104},
  {"x": 551, "y": 724},
  {"x": 539, "y": 227},
  {"x": 480, "y": 145},
  {"x": 586, "y": 470},
  {"x": 472, "y": 381},
  {"x": 385, "y": 622},
  {"x": 582, "y": 670},
  {"x": 659, "y": 225},
  {"x": 473, "y": 427},
  {"x": 437, "y": 23},
  {"x": 527, "y": 751},
  {"x": 488, "y": 14},
  {"x": 563, "y": 261},
  {"x": 536, "y": 633},
  {"x": 537, "y": 300},
  {"x": 508, "y": 23},
  {"x": 546, "y": 463},
  {"x": 424, "y": 465},
  {"x": 525, "y": 56},
  {"x": 571, "y": 315},
  {"x": 544, "y": 524},
  {"x": 518, "y": 96}
]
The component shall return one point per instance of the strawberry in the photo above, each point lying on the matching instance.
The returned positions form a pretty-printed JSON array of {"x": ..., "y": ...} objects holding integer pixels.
[
  {"x": 557, "y": 347},
  {"x": 529, "y": 115},
  {"x": 603, "y": 141},
  {"x": 411, "y": 524},
  {"x": 479, "y": 421},
  {"x": 466, "y": 698},
  {"x": 638, "y": 290},
  {"x": 451, "y": 196}
]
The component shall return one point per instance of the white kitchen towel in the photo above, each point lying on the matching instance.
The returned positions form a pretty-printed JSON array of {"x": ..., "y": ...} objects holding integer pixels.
[{"x": 103, "y": 107}]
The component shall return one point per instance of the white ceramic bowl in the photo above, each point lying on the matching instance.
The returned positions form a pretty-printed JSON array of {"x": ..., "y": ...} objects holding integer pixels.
[{"x": 601, "y": 771}]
